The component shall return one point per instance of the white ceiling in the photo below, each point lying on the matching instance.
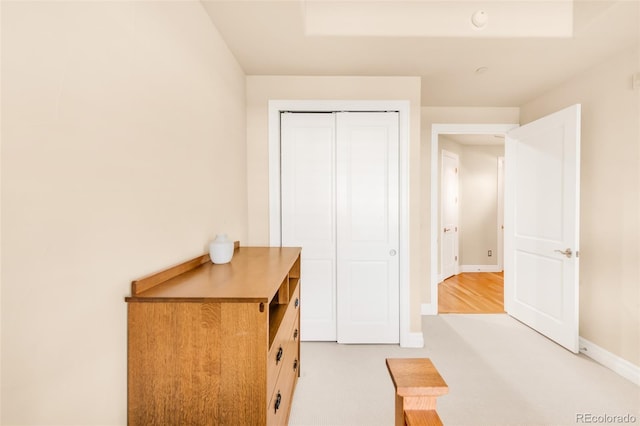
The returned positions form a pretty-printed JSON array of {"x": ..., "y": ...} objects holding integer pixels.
[{"x": 269, "y": 38}]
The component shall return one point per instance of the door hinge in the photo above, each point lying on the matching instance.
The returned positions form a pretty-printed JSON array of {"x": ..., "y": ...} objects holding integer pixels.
[{"x": 456, "y": 258}]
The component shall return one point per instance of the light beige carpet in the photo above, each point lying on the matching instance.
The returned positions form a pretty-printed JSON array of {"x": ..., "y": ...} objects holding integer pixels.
[{"x": 499, "y": 372}]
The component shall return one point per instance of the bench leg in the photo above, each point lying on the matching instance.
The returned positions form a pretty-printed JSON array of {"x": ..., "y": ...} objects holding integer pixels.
[{"x": 420, "y": 403}]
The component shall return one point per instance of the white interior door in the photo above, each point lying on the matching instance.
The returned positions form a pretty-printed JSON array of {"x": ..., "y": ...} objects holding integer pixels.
[
  {"x": 309, "y": 213},
  {"x": 449, "y": 216},
  {"x": 368, "y": 231},
  {"x": 542, "y": 174}
]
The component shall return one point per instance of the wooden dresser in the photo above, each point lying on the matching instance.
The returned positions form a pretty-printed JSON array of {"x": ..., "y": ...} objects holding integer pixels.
[{"x": 216, "y": 344}]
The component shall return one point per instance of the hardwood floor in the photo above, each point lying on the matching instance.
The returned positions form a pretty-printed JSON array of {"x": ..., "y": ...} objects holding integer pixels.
[{"x": 472, "y": 293}]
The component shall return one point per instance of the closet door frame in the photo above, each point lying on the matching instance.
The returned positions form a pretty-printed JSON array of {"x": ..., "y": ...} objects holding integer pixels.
[{"x": 276, "y": 107}]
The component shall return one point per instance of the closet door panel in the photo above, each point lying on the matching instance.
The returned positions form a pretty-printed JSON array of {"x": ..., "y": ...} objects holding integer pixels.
[
  {"x": 366, "y": 198},
  {"x": 367, "y": 228},
  {"x": 369, "y": 284},
  {"x": 308, "y": 215}
]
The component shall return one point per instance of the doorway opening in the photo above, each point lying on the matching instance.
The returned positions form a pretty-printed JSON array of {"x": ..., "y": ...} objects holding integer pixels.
[
  {"x": 471, "y": 279},
  {"x": 541, "y": 218},
  {"x": 478, "y": 284}
]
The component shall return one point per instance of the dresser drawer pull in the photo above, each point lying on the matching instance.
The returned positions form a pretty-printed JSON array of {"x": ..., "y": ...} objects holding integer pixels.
[
  {"x": 278, "y": 401},
  {"x": 279, "y": 355},
  {"x": 295, "y": 365},
  {"x": 295, "y": 334},
  {"x": 296, "y": 303}
]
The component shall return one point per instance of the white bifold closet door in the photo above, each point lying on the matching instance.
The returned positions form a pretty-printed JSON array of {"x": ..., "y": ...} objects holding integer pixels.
[
  {"x": 339, "y": 190},
  {"x": 308, "y": 197}
]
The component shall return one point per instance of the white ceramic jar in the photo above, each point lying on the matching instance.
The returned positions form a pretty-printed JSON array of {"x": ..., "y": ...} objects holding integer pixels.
[{"x": 221, "y": 249}]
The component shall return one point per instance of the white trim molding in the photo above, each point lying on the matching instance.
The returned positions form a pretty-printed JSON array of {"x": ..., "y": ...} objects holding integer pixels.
[
  {"x": 479, "y": 268},
  {"x": 429, "y": 309},
  {"x": 613, "y": 362},
  {"x": 407, "y": 338}
]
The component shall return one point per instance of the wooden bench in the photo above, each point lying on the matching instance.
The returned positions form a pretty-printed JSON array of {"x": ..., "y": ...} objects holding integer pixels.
[{"x": 418, "y": 385}]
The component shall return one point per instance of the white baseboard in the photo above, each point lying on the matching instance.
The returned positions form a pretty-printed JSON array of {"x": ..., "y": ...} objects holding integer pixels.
[
  {"x": 414, "y": 340},
  {"x": 479, "y": 268},
  {"x": 602, "y": 356},
  {"x": 428, "y": 309}
]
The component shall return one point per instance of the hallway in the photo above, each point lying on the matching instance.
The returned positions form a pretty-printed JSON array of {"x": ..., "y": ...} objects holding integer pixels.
[{"x": 472, "y": 293}]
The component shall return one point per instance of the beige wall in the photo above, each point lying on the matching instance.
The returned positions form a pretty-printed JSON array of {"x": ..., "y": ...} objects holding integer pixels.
[
  {"x": 446, "y": 115},
  {"x": 610, "y": 189},
  {"x": 261, "y": 89},
  {"x": 479, "y": 204},
  {"x": 447, "y": 144},
  {"x": 123, "y": 152}
]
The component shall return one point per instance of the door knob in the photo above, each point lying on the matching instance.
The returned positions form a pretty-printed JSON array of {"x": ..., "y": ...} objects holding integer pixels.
[
  {"x": 566, "y": 252},
  {"x": 392, "y": 252}
]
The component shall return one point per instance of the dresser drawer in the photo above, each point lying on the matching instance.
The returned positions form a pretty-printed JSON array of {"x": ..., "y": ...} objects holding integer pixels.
[
  {"x": 294, "y": 347},
  {"x": 282, "y": 342},
  {"x": 280, "y": 401},
  {"x": 278, "y": 408}
]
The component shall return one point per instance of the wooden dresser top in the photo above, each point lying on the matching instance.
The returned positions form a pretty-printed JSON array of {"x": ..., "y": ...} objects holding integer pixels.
[{"x": 253, "y": 275}]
